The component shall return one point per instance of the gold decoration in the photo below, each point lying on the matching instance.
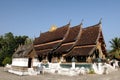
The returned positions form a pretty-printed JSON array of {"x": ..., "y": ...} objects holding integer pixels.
[
  {"x": 98, "y": 45},
  {"x": 89, "y": 60},
  {"x": 53, "y": 28}
]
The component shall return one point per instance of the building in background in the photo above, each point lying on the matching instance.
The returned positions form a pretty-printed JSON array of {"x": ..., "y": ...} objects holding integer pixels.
[
  {"x": 24, "y": 58},
  {"x": 64, "y": 43}
]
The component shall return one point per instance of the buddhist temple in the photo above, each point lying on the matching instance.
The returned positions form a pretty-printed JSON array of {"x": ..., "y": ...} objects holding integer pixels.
[
  {"x": 24, "y": 58},
  {"x": 64, "y": 43}
]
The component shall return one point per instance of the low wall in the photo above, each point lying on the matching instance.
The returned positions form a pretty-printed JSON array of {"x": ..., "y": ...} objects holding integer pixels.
[
  {"x": 23, "y": 62},
  {"x": 69, "y": 65}
]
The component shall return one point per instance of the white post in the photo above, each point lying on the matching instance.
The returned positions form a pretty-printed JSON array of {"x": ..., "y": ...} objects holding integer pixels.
[
  {"x": 114, "y": 65},
  {"x": 73, "y": 65},
  {"x": 73, "y": 62},
  {"x": 100, "y": 68}
]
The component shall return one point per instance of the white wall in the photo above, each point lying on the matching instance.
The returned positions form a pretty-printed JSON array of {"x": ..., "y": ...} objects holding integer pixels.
[
  {"x": 35, "y": 62},
  {"x": 20, "y": 62}
]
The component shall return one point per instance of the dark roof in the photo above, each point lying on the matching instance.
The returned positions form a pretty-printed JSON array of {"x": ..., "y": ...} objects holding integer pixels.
[
  {"x": 23, "y": 51},
  {"x": 58, "y": 34},
  {"x": 69, "y": 39},
  {"x": 43, "y": 52},
  {"x": 50, "y": 40},
  {"x": 63, "y": 48},
  {"x": 81, "y": 51},
  {"x": 47, "y": 46},
  {"x": 73, "y": 34},
  {"x": 89, "y": 35},
  {"x": 73, "y": 41}
]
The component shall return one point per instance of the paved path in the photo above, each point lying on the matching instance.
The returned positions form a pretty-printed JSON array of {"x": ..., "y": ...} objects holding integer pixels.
[{"x": 8, "y": 76}]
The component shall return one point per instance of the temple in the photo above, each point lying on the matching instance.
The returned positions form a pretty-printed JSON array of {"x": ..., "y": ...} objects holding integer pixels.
[
  {"x": 65, "y": 43},
  {"x": 24, "y": 58}
]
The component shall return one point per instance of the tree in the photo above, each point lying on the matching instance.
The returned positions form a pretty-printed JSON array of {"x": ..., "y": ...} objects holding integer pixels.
[
  {"x": 8, "y": 44},
  {"x": 115, "y": 45},
  {"x": 7, "y": 60},
  {"x": 28, "y": 41},
  {"x": 20, "y": 39}
]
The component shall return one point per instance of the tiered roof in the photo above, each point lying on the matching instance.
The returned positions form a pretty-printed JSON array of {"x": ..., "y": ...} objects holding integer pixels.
[
  {"x": 51, "y": 36},
  {"x": 86, "y": 44},
  {"x": 48, "y": 41},
  {"x": 24, "y": 51},
  {"x": 81, "y": 51},
  {"x": 73, "y": 41},
  {"x": 88, "y": 37},
  {"x": 69, "y": 40}
]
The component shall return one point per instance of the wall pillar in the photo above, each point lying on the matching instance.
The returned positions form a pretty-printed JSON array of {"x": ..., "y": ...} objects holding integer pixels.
[{"x": 73, "y": 65}]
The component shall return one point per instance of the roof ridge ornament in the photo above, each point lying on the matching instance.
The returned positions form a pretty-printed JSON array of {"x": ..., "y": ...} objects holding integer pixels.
[
  {"x": 69, "y": 22},
  {"x": 53, "y": 28},
  {"x": 40, "y": 32},
  {"x": 100, "y": 21},
  {"x": 82, "y": 22}
]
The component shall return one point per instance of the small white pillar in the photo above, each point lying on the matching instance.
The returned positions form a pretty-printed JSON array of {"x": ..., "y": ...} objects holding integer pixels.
[
  {"x": 99, "y": 66},
  {"x": 100, "y": 69},
  {"x": 73, "y": 65},
  {"x": 114, "y": 65},
  {"x": 73, "y": 62}
]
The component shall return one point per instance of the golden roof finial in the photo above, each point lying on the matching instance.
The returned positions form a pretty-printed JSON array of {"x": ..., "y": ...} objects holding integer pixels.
[{"x": 53, "y": 28}]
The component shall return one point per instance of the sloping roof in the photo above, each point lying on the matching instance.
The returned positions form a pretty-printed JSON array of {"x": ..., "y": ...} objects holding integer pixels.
[
  {"x": 73, "y": 34},
  {"x": 43, "y": 52},
  {"x": 89, "y": 35},
  {"x": 70, "y": 39},
  {"x": 81, "y": 51},
  {"x": 50, "y": 40},
  {"x": 23, "y": 51},
  {"x": 57, "y": 34},
  {"x": 47, "y": 45},
  {"x": 63, "y": 48}
]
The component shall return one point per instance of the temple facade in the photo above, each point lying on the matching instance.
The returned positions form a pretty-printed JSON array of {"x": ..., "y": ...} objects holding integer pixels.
[
  {"x": 65, "y": 43},
  {"x": 24, "y": 58}
]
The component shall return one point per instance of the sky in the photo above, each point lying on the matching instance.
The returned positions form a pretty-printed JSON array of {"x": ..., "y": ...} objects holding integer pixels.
[{"x": 30, "y": 17}]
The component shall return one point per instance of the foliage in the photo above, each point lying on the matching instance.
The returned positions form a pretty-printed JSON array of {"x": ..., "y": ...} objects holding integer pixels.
[
  {"x": 7, "y": 60},
  {"x": 115, "y": 45},
  {"x": 91, "y": 71},
  {"x": 28, "y": 41},
  {"x": 8, "y": 44}
]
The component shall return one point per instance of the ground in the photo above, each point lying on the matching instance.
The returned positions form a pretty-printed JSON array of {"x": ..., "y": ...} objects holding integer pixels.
[{"x": 8, "y": 76}]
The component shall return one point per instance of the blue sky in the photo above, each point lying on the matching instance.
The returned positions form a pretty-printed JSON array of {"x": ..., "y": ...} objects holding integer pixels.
[{"x": 30, "y": 17}]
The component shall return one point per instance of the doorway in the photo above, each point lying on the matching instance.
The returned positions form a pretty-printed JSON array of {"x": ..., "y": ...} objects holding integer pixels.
[{"x": 29, "y": 62}]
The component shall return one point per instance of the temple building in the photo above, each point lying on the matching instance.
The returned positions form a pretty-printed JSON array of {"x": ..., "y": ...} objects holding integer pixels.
[
  {"x": 65, "y": 43},
  {"x": 24, "y": 58}
]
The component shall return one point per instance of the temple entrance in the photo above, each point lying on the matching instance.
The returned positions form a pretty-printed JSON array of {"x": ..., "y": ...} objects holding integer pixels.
[
  {"x": 81, "y": 58},
  {"x": 29, "y": 62},
  {"x": 40, "y": 58},
  {"x": 49, "y": 57},
  {"x": 97, "y": 53}
]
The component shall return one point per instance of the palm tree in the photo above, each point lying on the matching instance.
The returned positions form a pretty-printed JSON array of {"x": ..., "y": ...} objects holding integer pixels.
[{"x": 115, "y": 45}]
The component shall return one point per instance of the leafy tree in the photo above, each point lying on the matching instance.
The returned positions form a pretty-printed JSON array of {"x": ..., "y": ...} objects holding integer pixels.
[
  {"x": 7, "y": 60},
  {"x": 8, "y": 44},
  {"x": 28, "y": 41},
  {"x": 115, "y": 45},
  {"x": 20, "y": 39}
]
